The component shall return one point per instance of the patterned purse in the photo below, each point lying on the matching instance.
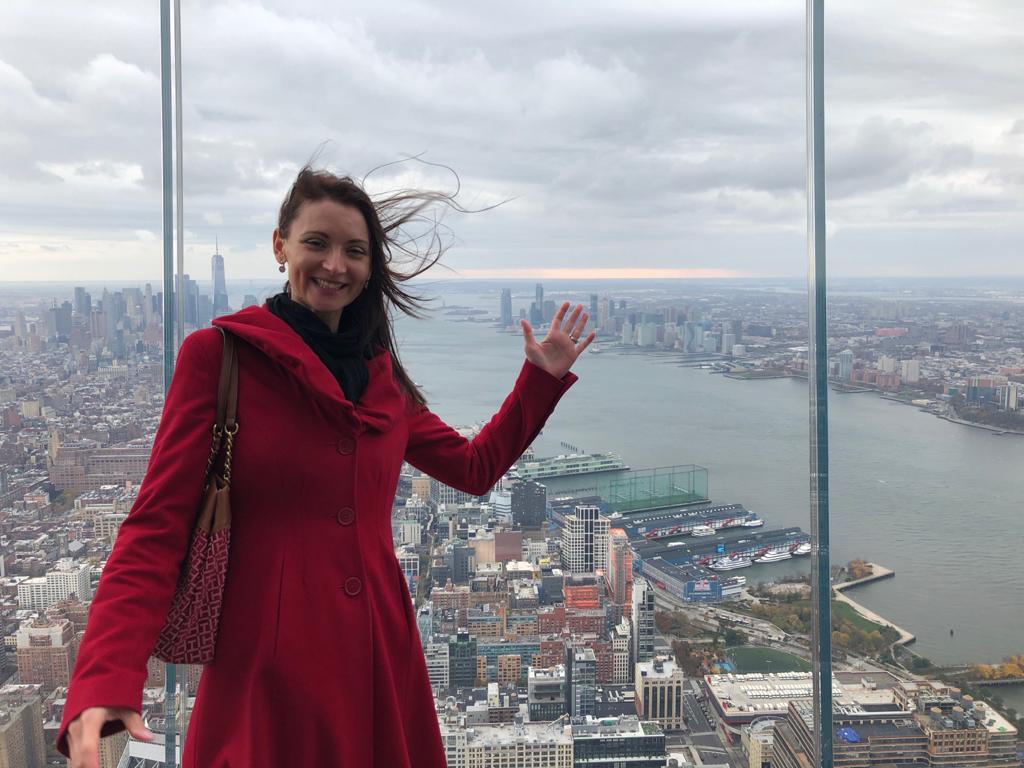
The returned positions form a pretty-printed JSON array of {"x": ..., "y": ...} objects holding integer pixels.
[{"x": 189, "y": 634}]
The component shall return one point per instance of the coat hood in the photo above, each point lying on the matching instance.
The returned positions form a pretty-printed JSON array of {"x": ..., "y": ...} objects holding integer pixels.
[{"x": 382, "y": 401}]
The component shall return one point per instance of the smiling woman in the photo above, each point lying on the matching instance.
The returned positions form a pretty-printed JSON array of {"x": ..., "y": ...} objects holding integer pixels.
[{"x": 316, "y": 627}]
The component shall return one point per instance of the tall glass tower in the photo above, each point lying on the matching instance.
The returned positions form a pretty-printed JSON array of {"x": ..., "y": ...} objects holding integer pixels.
[{"x": 220, "y": 289}]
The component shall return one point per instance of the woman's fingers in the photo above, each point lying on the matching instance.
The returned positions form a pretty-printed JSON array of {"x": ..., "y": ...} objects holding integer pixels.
[
  {"x": 527, "y": 331},
  {"x": 586, "y": 342},
  {"x": 579, "y": 327},
  {"x": 84, "y": 739},
  {"x": 133, "y": 723},
  {"x": 556, "y": 321},
  {"x": 573, "y": 317}
]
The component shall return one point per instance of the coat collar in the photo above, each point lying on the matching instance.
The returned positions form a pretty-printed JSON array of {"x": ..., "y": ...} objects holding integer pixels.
[{"x": 382, "y": 400}]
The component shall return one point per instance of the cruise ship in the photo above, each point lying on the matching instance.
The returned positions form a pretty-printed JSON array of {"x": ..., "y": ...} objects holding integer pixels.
[
  {"x": 658, "y": 524},
  {"x": 730, "y": 563},
  {"x": 773, "y": 556},
  {"x": 570, "y": 464},
  {"x": 803, "y": 548}
]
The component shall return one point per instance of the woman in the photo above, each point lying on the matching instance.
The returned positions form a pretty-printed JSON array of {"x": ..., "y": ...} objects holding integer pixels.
[{"x": 317, "y": 658}]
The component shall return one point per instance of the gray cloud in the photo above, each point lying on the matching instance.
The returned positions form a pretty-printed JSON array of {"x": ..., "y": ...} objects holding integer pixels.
[{"x": 669, "y": 132}]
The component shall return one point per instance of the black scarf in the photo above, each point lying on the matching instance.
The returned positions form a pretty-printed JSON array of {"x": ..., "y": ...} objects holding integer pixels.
[{"x": 340, "y": 352}]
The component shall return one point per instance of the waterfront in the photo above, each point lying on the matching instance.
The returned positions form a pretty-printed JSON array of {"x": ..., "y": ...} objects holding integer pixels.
[{"x": 931, "y": 499}]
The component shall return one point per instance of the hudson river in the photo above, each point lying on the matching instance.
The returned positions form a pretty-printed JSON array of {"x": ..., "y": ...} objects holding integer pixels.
[{"x": 938, "y": 502}]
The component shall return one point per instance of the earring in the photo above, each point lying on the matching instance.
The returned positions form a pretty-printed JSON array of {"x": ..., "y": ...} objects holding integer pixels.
[
  {"x": 280, "y": 267},
  {"x": 366, "y": 285}
]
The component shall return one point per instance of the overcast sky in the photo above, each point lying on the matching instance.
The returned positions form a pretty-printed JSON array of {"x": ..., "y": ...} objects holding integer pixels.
[{"x": 657, "y": 135}]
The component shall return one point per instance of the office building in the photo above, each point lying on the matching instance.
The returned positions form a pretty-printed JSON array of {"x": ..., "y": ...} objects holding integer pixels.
[
  {"x": 522, "y": 745},
  {"x": 618, "y": 742},
  {"x": 220, "y": 289},
  {"x": 46, "y": 650},
  {"x": 581, "y": 680},
  {"x": 506, "y": 307},
  {"x": 65, "y": 579},
  {"x": 642, "y": 620},
  {"x": 462, "y": 653},
  {"x": 585, "y": 540},
  {"x": 21, "y": 727},
  {"x": 619, "y": 576},
  {"x": 846, "y": 365},
  {"x": 546, "y": 693},
  {"x": 659, "y": 686}
]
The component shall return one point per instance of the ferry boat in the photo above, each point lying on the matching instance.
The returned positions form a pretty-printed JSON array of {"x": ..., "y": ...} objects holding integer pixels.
[
  {"x": 730, "y": 563},
  {"x": 703, "y": 530},
  {"x": 773, "y": 556},
  {"x": 803, "y": 548},
  {"x": 571, "y": 464},
  {"x": 752, "y": 522}
]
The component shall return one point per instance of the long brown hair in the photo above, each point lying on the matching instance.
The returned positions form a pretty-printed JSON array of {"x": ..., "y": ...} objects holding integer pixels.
[{"x": 385, "y": 218}]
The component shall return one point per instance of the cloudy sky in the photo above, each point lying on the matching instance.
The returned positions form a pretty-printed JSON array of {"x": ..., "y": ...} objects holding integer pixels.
[{"x": 655, "y": 137}]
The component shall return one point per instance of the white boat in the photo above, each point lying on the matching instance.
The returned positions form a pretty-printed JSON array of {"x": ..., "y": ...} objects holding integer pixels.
[
  {"x": 595, "y": 350},
  {"x": 753, "y": 522},
  {"x": 773, "y": 556},
  {"x": 803, "y": 548},
  {"x": 703, "y": 530},
  {"x": 731, "y": 563},
  {"x": 676, "y": 543}
]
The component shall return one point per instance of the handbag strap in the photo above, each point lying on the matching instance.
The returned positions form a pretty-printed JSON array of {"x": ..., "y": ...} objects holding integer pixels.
[{"x": 227, "y": 389}]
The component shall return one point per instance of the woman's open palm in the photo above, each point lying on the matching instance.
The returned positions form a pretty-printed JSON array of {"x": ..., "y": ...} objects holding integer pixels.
[{"x": 560, "y": 348}]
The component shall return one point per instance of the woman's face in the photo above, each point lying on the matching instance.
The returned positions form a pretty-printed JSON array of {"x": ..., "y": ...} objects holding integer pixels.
[{"x": 327, "y": 253}]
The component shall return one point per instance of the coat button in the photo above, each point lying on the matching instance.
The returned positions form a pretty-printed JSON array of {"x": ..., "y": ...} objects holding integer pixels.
[
  {"x": 346, "y": 515},
  {"x": 346, "y": 445},
  {"x": 353, "y": 585}
]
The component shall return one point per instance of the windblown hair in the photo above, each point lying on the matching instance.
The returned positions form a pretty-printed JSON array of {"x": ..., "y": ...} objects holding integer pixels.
[{"x": 389, "y": 219}]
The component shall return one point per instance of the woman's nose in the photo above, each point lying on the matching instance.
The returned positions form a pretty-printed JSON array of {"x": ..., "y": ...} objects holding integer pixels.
[{"x": 334, "y": 260}]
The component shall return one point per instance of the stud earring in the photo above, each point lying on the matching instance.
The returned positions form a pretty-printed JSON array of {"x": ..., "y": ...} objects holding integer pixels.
[{"x": 280, "y": 267}]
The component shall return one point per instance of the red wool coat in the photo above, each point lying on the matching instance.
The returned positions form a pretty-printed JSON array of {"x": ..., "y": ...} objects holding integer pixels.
[{"x": 318, "y": 660}]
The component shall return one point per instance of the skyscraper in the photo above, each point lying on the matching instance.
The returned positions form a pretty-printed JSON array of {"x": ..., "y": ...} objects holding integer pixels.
[
  {"x": 585, "y": 540},
  {"x": 846, "y": 364},
  {"x": 539, "y": 291},
  {"x": 643, "y": 620},
  {"x": 506, "y": 307},
  {"x": 220, "y": 289},
  {"x": 619, "y": 575}
]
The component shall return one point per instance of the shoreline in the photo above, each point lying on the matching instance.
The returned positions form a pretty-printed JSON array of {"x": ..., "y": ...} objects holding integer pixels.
[{"x": 878, "y": 573}]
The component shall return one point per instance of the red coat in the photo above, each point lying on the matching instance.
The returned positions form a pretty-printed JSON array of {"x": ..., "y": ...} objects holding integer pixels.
[{"x": 318, "y": 660}]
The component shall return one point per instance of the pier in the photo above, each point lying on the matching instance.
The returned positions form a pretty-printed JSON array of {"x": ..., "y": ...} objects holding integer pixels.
[{"x": 877, "y": 574}]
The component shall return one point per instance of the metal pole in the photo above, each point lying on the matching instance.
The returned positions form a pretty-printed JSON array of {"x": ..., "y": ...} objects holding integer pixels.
[
  {"x": 817, "y": 359},
  {"x": 170, "y": 758},
  {"x": 179, "y": 184}
]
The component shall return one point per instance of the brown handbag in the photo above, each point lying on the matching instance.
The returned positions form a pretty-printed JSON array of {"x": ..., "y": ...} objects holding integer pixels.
[{"x": 189, "y": 634}]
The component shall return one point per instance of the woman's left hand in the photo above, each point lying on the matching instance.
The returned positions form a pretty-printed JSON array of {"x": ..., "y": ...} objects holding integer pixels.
[{"x": 562, "y": 345}]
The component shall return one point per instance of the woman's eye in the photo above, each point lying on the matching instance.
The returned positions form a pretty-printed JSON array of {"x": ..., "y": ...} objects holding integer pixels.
[
  {"x": 357, "y": 252},
  {"x": 314, "y": 243}
]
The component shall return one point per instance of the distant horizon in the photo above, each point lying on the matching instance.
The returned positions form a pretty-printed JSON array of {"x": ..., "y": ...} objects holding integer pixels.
[{"x": 546, "y": 278}]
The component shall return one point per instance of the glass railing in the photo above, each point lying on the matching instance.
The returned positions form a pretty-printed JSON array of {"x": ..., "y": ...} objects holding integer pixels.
[{"x": 643, "y": 584}]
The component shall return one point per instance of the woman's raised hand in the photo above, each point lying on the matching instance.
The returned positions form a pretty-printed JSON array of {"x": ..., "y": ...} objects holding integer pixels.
[
  {"x": 560, "y": 348},
  {"x": 84, "y": 733}
]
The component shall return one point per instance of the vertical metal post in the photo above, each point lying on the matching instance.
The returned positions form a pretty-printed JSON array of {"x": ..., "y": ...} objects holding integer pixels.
[
  {"x": 170, "y": 758},
  {"x": 179, "y": 195},
  {"x": 817, "y": 359}
]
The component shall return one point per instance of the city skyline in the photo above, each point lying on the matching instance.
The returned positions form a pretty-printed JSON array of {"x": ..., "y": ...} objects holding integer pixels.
[{"x": 640, "y": 135}]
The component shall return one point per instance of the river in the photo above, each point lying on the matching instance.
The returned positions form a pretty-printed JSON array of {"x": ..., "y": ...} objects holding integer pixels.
[{"x": 938, "y": 502}]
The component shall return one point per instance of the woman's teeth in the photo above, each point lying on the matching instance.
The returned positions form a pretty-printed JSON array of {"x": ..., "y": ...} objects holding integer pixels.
[{"x": 327, "y": 285}]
